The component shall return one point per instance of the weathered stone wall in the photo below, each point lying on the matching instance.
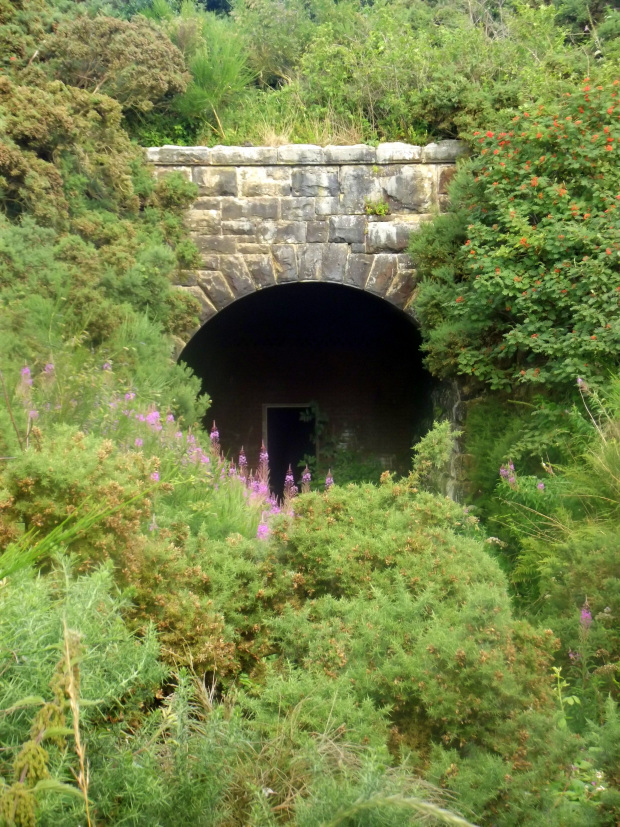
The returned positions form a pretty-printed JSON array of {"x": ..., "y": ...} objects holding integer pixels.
[{"x": 274, "y": 215}]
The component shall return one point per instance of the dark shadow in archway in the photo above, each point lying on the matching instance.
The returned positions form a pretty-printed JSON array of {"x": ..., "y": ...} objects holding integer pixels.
[{"x": 346, "y": 358}]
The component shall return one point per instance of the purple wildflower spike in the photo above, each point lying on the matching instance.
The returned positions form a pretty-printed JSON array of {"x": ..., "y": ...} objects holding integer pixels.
[
  {"x": 215, "y": 434},
  {"x": 263, "y": 467},
  {"x": 586, "y": 616},
  {"x": 26, "y": 376},
  {"x": 290, "y": 489},
  {"x": 243, "y": 464},
  {"x": 306, "y": 477},
  {"x": 329, "y": 480}
]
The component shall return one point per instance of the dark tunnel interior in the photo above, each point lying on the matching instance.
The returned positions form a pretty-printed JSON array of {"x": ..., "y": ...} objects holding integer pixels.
[{"x": 315, "y": 370}]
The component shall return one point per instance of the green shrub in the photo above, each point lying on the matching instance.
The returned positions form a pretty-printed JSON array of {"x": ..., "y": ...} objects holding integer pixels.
[{"x": 519, "y": 286}]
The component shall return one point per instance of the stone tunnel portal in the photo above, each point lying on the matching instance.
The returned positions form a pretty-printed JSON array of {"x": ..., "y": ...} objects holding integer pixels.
[{"x": 315, "y": 369}]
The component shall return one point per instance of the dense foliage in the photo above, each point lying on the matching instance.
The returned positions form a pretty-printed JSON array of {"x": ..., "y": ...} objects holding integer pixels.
[
  {"x": 174, "y": 645},
  {"x": 521, "y": 280}
]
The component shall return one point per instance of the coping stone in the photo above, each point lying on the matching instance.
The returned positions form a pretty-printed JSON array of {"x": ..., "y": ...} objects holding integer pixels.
[
  {"x": 301, "y": 154},
  {"x": 398, "y": 152},
  {"x": 355, "y": 154},
  {"x": 241, "y": 156},
  {"x": 179, "y": 155}
]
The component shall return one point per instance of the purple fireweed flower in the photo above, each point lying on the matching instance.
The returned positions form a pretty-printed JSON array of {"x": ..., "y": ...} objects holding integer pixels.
[
  {"x": 511, "y": 480},
  {"x": 155, "y": 476},
  {"x": 138, "y": 442},
  {"x": 215, "y": 434},
  {"x": 329, "y": 480},
  {"x": 152, "y": 418},
  {"x": 263, "y": 457},
  {"x": 170, "y": 418},
  {"x": 511, "y": 466},
  {"x": 504, "y": 472},
  {"x": 153, "y": 525},
  {"x": 541, "y": 486},
  {"x": 243, "y": 462},
  {"x": 178, "y": 435},
  {"x": 586, "y": 616},
  {"x": 262, "y": 532},
  {"x": 33, "y": 414},
  {"x": 306, "y": 478},
  {"x": 26, "y": 376},
  {"x": 106, "y": 366},
  {"x": 129, "y": 396},
  {"x": 232, "y": 470},
  {"x": 49, "y": 368}
]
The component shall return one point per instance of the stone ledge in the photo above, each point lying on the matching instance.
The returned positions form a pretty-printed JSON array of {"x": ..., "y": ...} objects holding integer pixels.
[{"x": 306, "y": 154}]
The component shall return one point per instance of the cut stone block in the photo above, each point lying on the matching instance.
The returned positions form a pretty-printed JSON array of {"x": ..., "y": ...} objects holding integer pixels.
[
  {"x": 262, "y": 181},
  {"x": 215, "y": 180},
  {"x": 214, "y": 244},
  {"x": 315, "y": 181},
  {"x": 240, "y": 226},
  {"x": 297, "y": 209},
  {"x": 397, "y": 152},
  {"x": 281, "y": 232},
  {"x": 328, "y": 206},
  {"x": 402, "y": 287},
  {"x": 204, "y": 221},
  {"x": 358, "y": 268},
  {"x": 347, "y": 228},
  {"x": 233, "y": 208},
  {"x": 335, "y": 262},
  {"x": 355, "y": 154},
  {"x": 216, "y": 287},
  {"x": 382, "y": 272},
  {"x": 239, "y": 156},
  {"x": 388, "y": 235},
  {"x": 311, "y": 262},
  {"x": 317, "y": 231},
  {"x": 260, "y": 268},
  {"x": 236, "y": 274},
  {"x": 285, "y": 263},
  {"x": 301, "y": 154},
  {"x": 178, "y": 155}
]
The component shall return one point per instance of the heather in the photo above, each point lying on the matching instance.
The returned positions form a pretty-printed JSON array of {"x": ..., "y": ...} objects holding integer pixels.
[{"x": 177, "y": 644}]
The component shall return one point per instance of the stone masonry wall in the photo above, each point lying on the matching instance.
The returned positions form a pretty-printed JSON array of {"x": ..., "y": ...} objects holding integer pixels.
[{"x": 273, "y": 215}]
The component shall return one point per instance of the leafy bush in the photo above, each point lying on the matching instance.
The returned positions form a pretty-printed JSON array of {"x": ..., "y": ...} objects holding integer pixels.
[{"x": 520, "y": 284}]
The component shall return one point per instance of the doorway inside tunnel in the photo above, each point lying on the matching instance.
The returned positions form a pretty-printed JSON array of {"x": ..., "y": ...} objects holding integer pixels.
[{"x": 319, "y": 371}]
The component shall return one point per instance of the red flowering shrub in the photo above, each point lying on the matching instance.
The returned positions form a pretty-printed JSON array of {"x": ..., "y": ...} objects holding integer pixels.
[{"x": 521, "y": 282}]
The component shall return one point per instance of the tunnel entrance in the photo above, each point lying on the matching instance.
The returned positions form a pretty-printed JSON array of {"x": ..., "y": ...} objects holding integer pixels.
[{"x": 315, "y": 369}]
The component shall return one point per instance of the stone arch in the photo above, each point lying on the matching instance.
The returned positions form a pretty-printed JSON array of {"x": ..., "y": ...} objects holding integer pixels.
[{"x": 267, "y": 216}]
